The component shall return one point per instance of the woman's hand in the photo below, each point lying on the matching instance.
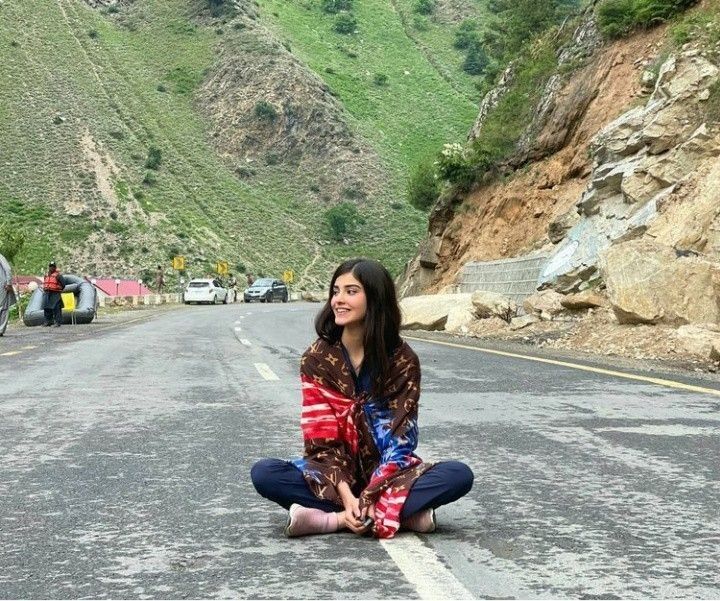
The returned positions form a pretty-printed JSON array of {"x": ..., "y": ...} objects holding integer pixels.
[{"x": 354, "y": 518}]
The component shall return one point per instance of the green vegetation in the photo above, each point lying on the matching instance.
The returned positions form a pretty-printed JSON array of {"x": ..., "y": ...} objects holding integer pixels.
[
  {"x": 154, "y": 158},
  {"x": 265, "y": 111},
  {"x": 345, "y": 23},
  {"x": 342, "y": 219},
  {"x": 617, "y": 18},
  {"x": 423, "y": 186},
  {"x": 336, "y": 6},
  {"x": 11, "y": 241},
  {"x": 424, "y": 7}
]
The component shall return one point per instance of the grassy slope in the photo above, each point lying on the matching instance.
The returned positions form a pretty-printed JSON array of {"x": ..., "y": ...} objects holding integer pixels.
[{"x": 108, "y": 82}]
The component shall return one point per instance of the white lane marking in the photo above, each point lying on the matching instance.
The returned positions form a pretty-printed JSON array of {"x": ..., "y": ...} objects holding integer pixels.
[
  {"x": 265, "y": 371},
  {"x": 421, "y": 566},
  {"x": 245, "y": 341},
  {"x": 238, "y": 329},
  {"x": 237, "y": 323}
]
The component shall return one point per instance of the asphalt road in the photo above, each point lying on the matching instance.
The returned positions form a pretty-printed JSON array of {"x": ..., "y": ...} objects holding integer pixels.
[{"x": 126, "y": 451}]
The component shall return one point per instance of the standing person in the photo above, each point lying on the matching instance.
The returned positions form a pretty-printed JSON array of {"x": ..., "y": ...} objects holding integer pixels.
[
  {"x": 159, "y": 279},
  {"x": 53, "y": 285},
  {"x": 250, "y": 279},
  {"x": 361, "y": 387},
  {"x": 7, "y": 293},
  {"x": 232, "y": 286}
]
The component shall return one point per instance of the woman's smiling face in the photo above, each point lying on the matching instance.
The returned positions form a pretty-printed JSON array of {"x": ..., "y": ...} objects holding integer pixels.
[{"x": 349, "y": 303}]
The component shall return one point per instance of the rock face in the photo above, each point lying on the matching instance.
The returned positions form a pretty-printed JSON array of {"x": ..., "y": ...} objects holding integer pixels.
[
  {"x": 649, "y": 283},
  {"x": 265, "y": 107},
  {"x": 587, "y": 299},
  {"x": 545, "y": 304},
  {"x": 641, "y": 160}
]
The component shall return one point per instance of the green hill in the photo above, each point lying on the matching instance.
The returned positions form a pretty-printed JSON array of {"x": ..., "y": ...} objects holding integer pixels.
[{"x": 110, "y": 163}]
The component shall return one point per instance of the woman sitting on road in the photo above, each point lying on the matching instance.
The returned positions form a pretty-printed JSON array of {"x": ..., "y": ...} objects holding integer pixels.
[{"x": 361, "y": 386}]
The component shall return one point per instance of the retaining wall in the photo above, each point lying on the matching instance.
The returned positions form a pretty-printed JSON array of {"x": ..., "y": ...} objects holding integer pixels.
[{"x": 515, "y": 278}]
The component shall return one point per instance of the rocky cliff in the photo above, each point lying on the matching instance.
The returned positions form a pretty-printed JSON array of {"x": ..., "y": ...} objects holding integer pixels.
[
  {"x": 621, "y": 153},
  {"x": 615, "y": 181}
]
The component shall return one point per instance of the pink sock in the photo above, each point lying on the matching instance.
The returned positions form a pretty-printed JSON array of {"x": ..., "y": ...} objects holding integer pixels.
[
  {"x": 303, "y": 520},
  {"x": 422, "y": 521}
]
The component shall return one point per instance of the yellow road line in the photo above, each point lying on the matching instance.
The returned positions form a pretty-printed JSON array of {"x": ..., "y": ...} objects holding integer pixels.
[
  {"x": 10, "y": 353},
  {"x": 28, "y": 348},
  {"x": 596, "y": 370}
]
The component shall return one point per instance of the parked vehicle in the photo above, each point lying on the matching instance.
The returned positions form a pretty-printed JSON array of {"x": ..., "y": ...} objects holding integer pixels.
[
  {"x": 205, "y": 291},
  {"x": 266, "y": 290}
]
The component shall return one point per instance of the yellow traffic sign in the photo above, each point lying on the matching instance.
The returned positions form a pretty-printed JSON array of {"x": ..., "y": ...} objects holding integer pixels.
[
  {"x": 288, "y": 276},
  {"x": 179, "y": 263},
  {"x": 222, "y": 267}
]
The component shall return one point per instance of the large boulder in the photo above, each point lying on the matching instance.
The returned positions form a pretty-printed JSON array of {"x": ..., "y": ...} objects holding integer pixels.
[
  {"x": 648, "y": 283},
  {"x": 545, "y": 304},
  {"x": 431, "y": 312},
  {"x": 587, "y": 299},
  {"x": 459, "y": 319},
  {"x": 492, "y": 304},
  {"x": 699, "y": 339}
]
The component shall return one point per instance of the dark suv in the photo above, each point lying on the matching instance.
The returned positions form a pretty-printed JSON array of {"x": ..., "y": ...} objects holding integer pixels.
[{"x": 266, "y": 290}]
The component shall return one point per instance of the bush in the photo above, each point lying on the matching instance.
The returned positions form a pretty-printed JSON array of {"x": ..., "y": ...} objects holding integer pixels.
[
  {"x": 476, "y": 60},
  {"x": 345, "y": 23},
  {"x": 423, "y": 186},
  {"x": 11, "y": 241},
  {"x": 265, "y": 111},
  {"x": 455, "y": 164},
  {"x": 420, "y": 23},
  {"x": 466, "y": 35},
  {"x": 335, "y": 6},
  {"x": 424, "y": 7},
  {"x": 380, "y": 79},
  {"x": 617, "y": 18},
  {"x": 342, "y": 218},
  {"x": 150, "y": 178},
  {"x": 154, "y": 158}
]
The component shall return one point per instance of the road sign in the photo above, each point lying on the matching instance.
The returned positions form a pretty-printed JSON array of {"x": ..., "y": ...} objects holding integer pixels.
[
  {"x": 288, "y": 276},
  {"x": 222, "y": 267},
  {"x": 179, "y": 263}
]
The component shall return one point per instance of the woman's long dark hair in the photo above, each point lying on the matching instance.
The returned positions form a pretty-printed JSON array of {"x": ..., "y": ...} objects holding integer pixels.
[{"x": 382, "y": 320}]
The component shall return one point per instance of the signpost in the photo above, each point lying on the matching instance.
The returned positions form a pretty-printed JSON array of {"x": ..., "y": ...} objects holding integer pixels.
[
  {"x": 288, "y": 276},
  {"x": 178, "y": 263},
  {"x": 222, "y": 268}
]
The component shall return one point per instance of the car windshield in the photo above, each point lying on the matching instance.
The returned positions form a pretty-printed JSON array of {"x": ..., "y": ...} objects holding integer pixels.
[
  {"x": 263, "y": 282},
  {"x": 198, "y": 284}
]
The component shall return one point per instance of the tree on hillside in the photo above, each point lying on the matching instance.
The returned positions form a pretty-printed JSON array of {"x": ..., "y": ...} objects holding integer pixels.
[
  {"x": 519, "y": 21},
  {"x": 11, "y": 241}
]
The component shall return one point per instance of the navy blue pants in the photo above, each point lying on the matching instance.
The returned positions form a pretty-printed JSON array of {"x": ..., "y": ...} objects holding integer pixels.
[{"x": 281, "y": 482}]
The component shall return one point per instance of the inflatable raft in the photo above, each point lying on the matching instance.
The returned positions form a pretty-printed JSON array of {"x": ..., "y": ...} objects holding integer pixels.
[{"x": 85, "y": 303}]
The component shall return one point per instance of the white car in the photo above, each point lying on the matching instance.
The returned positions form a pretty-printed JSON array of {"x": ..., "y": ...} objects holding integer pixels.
[{"x": 205, "y": 291}]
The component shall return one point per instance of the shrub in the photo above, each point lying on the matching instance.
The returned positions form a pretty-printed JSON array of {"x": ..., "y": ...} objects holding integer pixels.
[
  {"x": 335, "y": 6},
  {"x": 11, "y": 241},
  {"x": 420, "y": 23},
  {"x": 466, "y": 35},
  {"x": 154, "y": 158},
  {"x": 265, "y": 111},
  {"x": 380, "y": 79},
  {"x": 423, "y": 186},
  {"x": 617, "y": 18},
  {"x": 345, "y": 23},
  {"x": 93, "y": 34},
  {"x": 424, "y": 7},
  {"x": 476, "y": 60},
  {"x": 455, "y": 165},
  {"x": 150, "y": 178},
  {"x": 342, "y": 218}
]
